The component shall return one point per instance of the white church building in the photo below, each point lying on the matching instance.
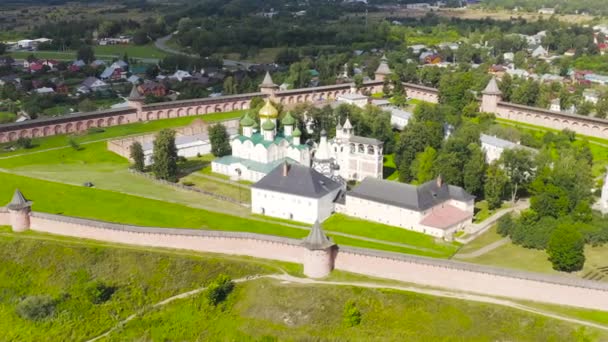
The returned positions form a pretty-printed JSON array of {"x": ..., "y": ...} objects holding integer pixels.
[
  {"x": 348, "y": 156},
  {"x": 260, "y": 148}
]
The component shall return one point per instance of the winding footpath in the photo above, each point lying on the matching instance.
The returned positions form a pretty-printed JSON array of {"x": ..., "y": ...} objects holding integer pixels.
[
  {"x": 484, "y": 249},
  {"x": 288, "y": 279}
]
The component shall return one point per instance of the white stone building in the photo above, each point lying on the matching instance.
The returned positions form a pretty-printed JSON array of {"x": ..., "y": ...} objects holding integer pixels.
[
  {"x": 295, "y": 192},
  {"x": 433, "y": 208},
  {"x": 353, "y": 99},
  {"x": 188, "y": 146},
  {"x": 604, "y": 198},
  {"x": 348, "y": 156},
  {"x": 256, "y": 152},
  {"x": 494, "y": 147}
]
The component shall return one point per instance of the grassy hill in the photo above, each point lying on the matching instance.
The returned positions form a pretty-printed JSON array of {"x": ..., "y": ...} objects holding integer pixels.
[{"x": 259, "y": 310}]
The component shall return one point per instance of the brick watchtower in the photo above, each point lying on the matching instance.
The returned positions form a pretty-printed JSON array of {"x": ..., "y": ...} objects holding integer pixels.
[
  {"x": 19, "y": 211},
  {"x": 268, "y": 87},
  {"x": 319, "y": 254},
  {"x": 136, "y": 100},
  {"x": 490, "y": 97}
]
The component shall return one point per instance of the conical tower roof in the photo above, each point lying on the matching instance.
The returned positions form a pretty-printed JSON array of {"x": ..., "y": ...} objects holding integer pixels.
[
  {"x": 492, "y": 88},
  {"x": 297, "y": 133},
  {"x": 19, "y": 202},
  {"x": 347, "y": 124},
  {"x": 383, "y": 68},
  {"x": 267, "y": 82},
  {"x": 316, "y": 239},
  {"x": 135, "y": 95}
]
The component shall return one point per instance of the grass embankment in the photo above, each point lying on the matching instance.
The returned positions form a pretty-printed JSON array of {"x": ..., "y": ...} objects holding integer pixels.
[
  {"x": 122, "y": 130},
  {"x": 61, "y": 269},
  {"x": 389, "y": 170},
  {"x": 482, "y": 211},
  {"x": 267, "y": 310},
  {"x": 39, "y": 264}
]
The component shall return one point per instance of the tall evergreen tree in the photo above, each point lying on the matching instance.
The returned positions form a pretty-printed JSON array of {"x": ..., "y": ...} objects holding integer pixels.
[
  {"x": 220, "y": 144},
  {"x": 164, "y": 157},
  {"x": 137, "y": 154}
]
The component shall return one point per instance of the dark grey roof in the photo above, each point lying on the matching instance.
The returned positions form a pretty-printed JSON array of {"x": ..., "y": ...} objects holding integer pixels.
[
  {"x": 299, "y": 180},
  {"x": 316, "y": 239},
  {"x": 408, "y": 196},
  {"x": 19, "y": 202},
  {"x": 363, "y": 140}
]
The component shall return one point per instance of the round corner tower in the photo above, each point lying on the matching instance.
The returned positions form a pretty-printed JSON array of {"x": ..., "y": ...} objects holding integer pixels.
[
  {"x": 318, "y": 258},
  {"x": 19, "y": 212}
]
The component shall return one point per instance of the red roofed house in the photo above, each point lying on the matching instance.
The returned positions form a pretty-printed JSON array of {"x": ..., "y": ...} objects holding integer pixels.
[{"x": 152, "y": 88}]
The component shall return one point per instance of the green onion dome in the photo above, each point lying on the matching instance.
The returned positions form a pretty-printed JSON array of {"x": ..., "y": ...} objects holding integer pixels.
[
  {"x": 296, "y": 132},
  {"x": 247, "y": 121},
  {"x": 288, "y": 120},
  {"x": 268, "y": 125}
]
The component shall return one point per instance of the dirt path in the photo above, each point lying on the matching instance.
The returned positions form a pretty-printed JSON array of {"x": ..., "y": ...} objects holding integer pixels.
[
  {"x": 288, "y": 279},
  {"x": 483, "y": 250},
  {"x": 165, "y": 302},
  {"x": 441, "y": 293}
]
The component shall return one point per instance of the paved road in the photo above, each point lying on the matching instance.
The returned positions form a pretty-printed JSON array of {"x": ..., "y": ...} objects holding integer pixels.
[{"x": 161, "y": 44}]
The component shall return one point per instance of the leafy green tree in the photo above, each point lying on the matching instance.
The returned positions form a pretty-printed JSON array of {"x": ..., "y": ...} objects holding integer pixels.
[
  {"x": 230, "y": 86},
  {"x": 351, "y": 315},
  {"x": 494, "y": 188},
  {"x": 585, "y": 108},
  {"x": 475, "y": 170},
  {"x": 566, "y": 248},
  {"x": 422, "y": 166},
  {"x": 414, "y": 139},
  {"x": 220, "y": 140},
  {"x": 137, "y": 154},
  {"x": 86, "y": 105},
  {"x": 505, "y": 225},
  {"x": 86, "y": 54},
  {"x": 519, "y": 166},
  {"x": 449, "y": 166},
  {"x": 164, "y": 156}
]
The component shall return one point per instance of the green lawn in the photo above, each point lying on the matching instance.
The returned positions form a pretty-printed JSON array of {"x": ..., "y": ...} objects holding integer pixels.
[
  {"x": 112, "y": 206},
  {"x": 482, "y": 211},
  {"x": 124, "y": 130},
  {"x": 490, "y": 236},
  {"x": 133, "y": 51},
  {"x": 344, "y": 224},
  {"x": 389, "y": 170}
]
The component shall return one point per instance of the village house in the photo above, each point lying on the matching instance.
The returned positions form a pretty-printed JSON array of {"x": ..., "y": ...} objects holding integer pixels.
[
  {"x": 591, "y": 95},
  {"x": 92, "y": 84}
]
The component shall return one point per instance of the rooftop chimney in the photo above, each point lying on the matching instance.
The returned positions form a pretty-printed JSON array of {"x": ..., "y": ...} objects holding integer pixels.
[{"x": 285, "y": 169}]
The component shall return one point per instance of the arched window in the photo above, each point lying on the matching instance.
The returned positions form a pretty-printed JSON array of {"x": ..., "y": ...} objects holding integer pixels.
[
  {"x": 361, "y": 148},
  {"x": 370, "y": 149},
  {"x": 352, "y": 148}
]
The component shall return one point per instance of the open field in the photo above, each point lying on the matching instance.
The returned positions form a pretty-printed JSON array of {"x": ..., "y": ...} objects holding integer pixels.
[
  {"x": 265, "y": 309},
  {"x": 121, "y": 131},
  {"x": 105, "y": 52}
]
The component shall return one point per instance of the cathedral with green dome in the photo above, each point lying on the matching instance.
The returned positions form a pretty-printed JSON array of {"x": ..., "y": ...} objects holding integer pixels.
[{"x": 262, "y": 146}]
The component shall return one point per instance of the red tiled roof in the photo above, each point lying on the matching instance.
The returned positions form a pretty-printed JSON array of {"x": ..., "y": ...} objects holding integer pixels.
[{"x": 445, "y": 216}]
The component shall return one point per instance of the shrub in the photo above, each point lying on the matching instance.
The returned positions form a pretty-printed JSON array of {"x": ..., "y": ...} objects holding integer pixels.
[
  {"x": 36, "y": 307},
  {"x": 219, "y": 289},
  {"x": 24, "y": 143},
  {"x": 188, "y": 183},
  {"x": 505, "y": 225},
  {"x": 566, "y": 248},
  {"x": 351, "y": 315},
  {"x": 74, "y": 144},
  {"x": 94, "y": 130},
  {"x": 98, "y": 292}
]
